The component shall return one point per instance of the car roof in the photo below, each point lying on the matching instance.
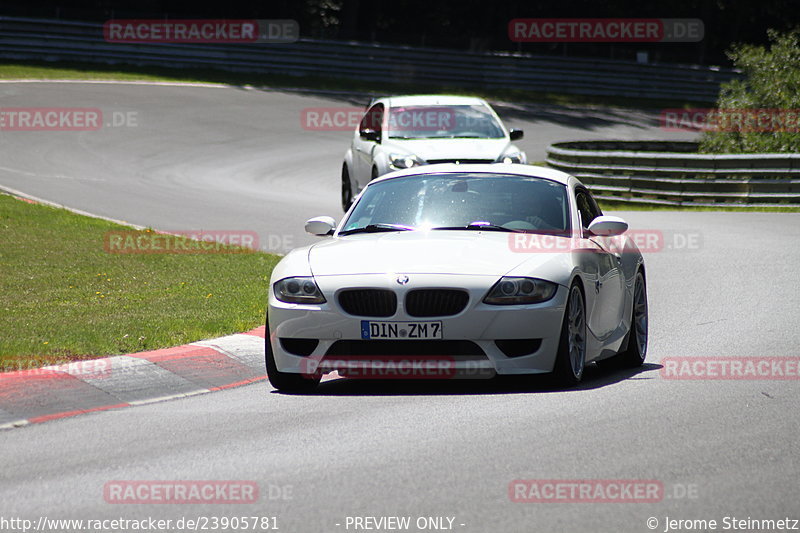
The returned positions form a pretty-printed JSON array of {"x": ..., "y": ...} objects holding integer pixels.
[
  {"x": 432, "y": 99},
  {"x": 514, "y": 169}
]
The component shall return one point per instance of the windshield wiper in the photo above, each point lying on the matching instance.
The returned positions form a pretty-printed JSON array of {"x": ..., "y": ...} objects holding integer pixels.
[
  {"x": 377, "y": 228},
  {"x": 480, "y": 226}
]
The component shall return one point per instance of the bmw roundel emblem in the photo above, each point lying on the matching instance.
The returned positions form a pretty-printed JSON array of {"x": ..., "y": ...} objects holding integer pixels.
[{"x": 402, "y": 280}]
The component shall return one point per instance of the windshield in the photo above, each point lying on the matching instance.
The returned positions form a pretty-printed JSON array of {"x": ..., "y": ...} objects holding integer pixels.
[
  {"x": 443, "y": 122},
  {"x": 462, "y": 201}
]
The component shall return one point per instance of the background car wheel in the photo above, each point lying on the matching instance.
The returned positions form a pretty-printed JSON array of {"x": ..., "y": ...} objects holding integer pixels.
[
  {"x": 571, "y": 357},
  {"x": 347, "y": 189},
  {"x": 286, "y": 381},
  {"x": 374, "y": 173},
  {"x": 635, "y": 352}
]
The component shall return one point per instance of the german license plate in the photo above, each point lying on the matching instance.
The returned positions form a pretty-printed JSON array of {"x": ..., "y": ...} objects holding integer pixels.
[{"x": 401, "y": 330}]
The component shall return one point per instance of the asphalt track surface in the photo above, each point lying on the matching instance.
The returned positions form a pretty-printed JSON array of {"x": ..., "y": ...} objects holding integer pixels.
[
  {"x": 226, "y": 158},
  {"x": 235, "y": 158}
]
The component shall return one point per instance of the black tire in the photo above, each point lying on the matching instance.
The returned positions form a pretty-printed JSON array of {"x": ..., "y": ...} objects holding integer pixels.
[
  {"x": 347, "y": 189},
  {"x": 635, "y": 351},
  {"x": 374, "y": 173},
  {"x": 286, "y": 381},
  {"x": 571, "y": 356}
]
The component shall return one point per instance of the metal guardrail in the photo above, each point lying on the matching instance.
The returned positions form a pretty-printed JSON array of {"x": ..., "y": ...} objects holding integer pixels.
[
  {"x": 673, "y": 173},
  {"x": 59, "y": 40}
]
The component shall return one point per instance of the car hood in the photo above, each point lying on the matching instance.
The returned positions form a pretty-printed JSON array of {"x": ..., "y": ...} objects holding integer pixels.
[
  {"x": 486, "y": 253},
  {"x": 428, "y": 149}
]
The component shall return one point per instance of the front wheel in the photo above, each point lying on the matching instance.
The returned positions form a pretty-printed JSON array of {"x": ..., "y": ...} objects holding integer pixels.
[
  {"x": 571, "y": 356},
  {"x": 347, "y": 189},
  {"x": 636, "y": 351},
  {"x": 286, "y": 381}
]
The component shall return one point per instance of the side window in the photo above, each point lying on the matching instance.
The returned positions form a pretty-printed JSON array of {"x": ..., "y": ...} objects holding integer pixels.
[
  {"x": 596, "y": 211},
  {"x": 373, "y": 119},
  {"x": 586, "y": 207}
]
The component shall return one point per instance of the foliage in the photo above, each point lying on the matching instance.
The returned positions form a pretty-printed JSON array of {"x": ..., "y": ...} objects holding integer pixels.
[{"x": 771, "y": 90}]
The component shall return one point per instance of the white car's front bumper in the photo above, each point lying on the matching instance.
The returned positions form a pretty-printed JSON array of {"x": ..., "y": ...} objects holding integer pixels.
[{"x": 480, "y": 323}]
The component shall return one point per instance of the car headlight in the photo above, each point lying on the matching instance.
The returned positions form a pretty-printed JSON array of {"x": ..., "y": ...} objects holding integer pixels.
[
  {"x": 513, "y": 156},
  {"x": 514, "y": 291},
  {"x": 299, "y": 290},
  {"x": 400, "y": 161}
]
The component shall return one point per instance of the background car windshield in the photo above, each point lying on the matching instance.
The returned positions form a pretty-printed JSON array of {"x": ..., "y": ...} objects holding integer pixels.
[
  {"x": 457, "y": 200},
  {"x": 432, "y": 122}
]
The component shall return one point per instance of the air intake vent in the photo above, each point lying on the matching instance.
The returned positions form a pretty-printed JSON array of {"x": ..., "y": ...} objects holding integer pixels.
[
  {"x": 435, "y": 302},
  {"x": 457, "y": 349},
  {"x": 299, "y": 346},
  {"x": 518, "y": 347},
  {"x": 460, "y": 161},
  {"x": 368, "y": 302}
]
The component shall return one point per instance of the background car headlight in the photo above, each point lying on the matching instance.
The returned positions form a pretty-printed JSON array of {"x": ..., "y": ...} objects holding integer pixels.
[
  {"x": 514, "y": 156},
  {"x": 510, "y": 291},
  {"x": 403, "y": 161},
  {"x": 300, "y": 290}
]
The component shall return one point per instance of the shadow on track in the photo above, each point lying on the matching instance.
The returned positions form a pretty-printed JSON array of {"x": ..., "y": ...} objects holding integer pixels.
[
  {"x": 585, "y": 117},
  {"x": 594, "y": 378},
  {"x": 354, "y": 98},
  {"x": 575, "y": 116}
]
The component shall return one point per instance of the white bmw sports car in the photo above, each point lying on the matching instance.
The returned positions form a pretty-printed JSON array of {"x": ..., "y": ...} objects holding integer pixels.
[{"x": 447, "y": 270}]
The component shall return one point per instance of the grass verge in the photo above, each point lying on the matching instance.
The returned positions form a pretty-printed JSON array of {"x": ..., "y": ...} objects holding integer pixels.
[
  {"x": 99, "y": 71},
  {"x": 65, "y": 298}
]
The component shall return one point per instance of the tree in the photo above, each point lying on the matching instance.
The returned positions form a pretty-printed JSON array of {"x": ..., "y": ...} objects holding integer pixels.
[{"x": 762, "y": 112}]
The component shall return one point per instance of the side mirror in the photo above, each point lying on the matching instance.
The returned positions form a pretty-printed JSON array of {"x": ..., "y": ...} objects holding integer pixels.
[
  {"x": 608, "y": 226},
  {"x": 321, "y": 226},
  {"x": 515, "y": 135},
  {"x": 370, "y": 135}
]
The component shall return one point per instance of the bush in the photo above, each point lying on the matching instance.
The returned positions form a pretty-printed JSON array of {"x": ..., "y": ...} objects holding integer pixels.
[{"x": 772, "y": 84}]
